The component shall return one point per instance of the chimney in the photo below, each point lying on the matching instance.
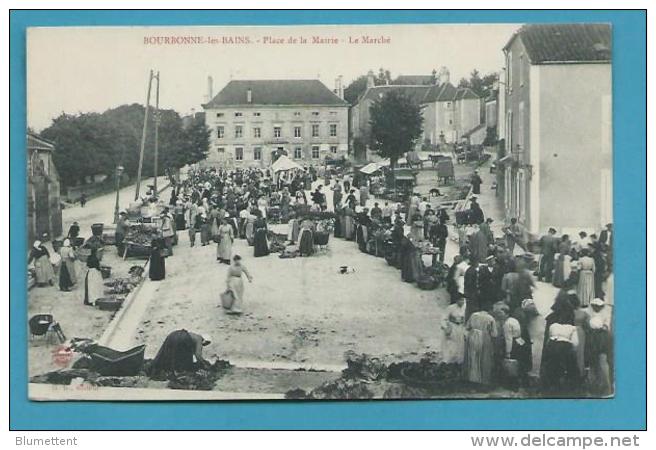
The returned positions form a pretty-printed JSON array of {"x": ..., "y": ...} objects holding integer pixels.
[
  {"x": 210, "y": 89},
  {"x": 249, "y": 96},
  {"x": 370, "y": 79},
  {"x": 339, "y": 89},
  {"x": 444, "y": 75}
]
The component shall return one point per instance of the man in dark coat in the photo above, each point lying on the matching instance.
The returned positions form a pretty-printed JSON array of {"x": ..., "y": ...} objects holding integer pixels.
[
  {"x": 548, "y": 248},
  {"x": 478, "y": 245},
  {"x": 476, "y": 182},
  {"x": 473, "y": 288}
]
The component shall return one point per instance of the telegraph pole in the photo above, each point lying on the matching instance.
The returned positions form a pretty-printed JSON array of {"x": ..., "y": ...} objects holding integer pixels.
[
  {"x": 157, "y": 118},
  {"x": 143, "y": 136}
]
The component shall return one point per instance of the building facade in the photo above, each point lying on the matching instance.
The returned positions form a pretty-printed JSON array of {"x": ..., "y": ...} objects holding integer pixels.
[
  {"x": 44, "y": 214},
  {"x": 253, "y": 120},
  {"x": 558, "y": 142},
  {"x": 449, "y": 112}
]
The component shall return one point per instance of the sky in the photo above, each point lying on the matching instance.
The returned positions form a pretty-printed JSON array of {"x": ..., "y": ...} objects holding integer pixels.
[{"x": 92, "y": 69}]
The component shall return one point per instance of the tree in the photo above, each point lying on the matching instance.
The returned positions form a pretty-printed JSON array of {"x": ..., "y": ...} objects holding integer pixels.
[
  {"x": 481, "y": 85},
  {"x": 396, "y": 124},
  {"x": 90, "y": 143}
]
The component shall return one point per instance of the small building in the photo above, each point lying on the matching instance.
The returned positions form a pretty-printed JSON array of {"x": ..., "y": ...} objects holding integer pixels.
[
  {"x": 449, "y": 112},
  {"x": 558, "y": 127},
  {"x": 44, "y": 214},
  {"x": 254, "y": 121}
]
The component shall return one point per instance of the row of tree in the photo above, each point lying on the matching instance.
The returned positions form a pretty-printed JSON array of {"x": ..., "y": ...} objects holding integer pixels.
[{"x": 91, "y": 144}]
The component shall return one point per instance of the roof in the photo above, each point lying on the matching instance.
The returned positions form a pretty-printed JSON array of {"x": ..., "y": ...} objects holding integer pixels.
[
  {"x": 447, "y": 92},
  {"x": 36, "y": 142},
  {"x": 416, "y": 80},
  {"x": 284, "y": 163},
  {"x": 414, "y": 93},
  {"x": 565, "y": 43},
  {"x": 370, "y": 168},
  {"x": 275, "y": 92}
]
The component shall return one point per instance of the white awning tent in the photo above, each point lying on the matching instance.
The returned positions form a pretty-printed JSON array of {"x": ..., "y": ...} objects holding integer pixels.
[
  {"x": 370, "y": 168},
  {"x": 283, "y": 164},
  {"x": 386, "y": 162}
]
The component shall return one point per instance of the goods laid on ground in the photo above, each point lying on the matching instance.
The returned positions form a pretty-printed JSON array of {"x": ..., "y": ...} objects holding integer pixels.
[
  {"x": 109, "y": 303},
  {"x": 139, "y": 237},
  {"x": 202, "y": 379}
]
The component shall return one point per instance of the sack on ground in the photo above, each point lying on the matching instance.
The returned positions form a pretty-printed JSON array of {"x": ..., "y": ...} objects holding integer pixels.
[{"x": 227, "y": 299}]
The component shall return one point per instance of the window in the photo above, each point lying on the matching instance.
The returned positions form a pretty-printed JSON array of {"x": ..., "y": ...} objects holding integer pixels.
[
  {"x": 239, "y": 153},
  {"x": 257, "y": 153},
  {"x": 521, "y": 190},
  {"x": 257, "y": 132},
  {"x": 315, "y": 152},
  {"x": 520, "y": 70},
  {"x": 333, "y": 129},
  {"x": 298, "y": 153},
  {"x": 219, "y": 114},
  {"x": 297, "y": 132},
  {"x": 315, "y": 113},
  {"x": 238, "y": 114},
  {"x": 448, "y": 105},
  {"x": 220, "y": 150},
  {"x": 333, "y": 113},
  {"x": 220, "y": 132},
  {"x": 297, "y": 113},
  {"x": 257, "y": 114},
  {"x": 277, "y": 132},
  {"x": 239, "y": 131},
  {"x": 315, "y": 130},
  {"x": 333, "y": 149}
]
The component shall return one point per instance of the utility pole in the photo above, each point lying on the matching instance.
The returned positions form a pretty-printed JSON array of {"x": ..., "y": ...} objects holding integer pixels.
[
  {"x": 156, "y": 133},
  {"x": 143, "y": 136}
]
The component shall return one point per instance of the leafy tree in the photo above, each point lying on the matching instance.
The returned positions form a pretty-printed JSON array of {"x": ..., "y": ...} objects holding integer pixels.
[
  {"x": 90, "y": 143},
  {"x": 396, "y": 124},
  {"x": 481, "y": 85}
]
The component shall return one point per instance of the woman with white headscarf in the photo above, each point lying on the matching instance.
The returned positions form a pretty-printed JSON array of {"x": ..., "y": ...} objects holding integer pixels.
[
  {"x": 45, "y": 275},
  {"x": 67, "y": 278}
]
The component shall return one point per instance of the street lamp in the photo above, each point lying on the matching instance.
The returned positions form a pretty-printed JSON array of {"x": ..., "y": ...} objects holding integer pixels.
[{"x": 119, "y": 172}]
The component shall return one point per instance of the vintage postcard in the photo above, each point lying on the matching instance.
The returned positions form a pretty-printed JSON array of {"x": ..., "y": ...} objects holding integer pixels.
[{"x": 320, "y": 212}]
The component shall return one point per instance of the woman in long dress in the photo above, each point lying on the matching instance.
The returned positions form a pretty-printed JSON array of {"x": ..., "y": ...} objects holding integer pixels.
[
  {"x": 260, "y": 241},
  {"x": 45, "y": 275},
  {"x": 177, "y": 354},
  {"x": 417, "y": 228},
  {"x": 598, "y": 347},
  {"x": 453, "y": 325},
  {"x": 67, "y": 278},
  {"x": 561, "y": 373},
  {"x": 224, "y": 247},
  {"x": 235, "y": 284},
  {"x": 250, "y": 229},
  {"x": 349, "y": 225},
  {"x": 215, "y": 218},
  {"x": 204, "y": 229},
  {"x": 93, "y": 282},
  {"x": 481, "y": 329},
  {"x": 586, "y": 286},
  {"x": 306, "y": 239},
  {"x": 157, "y": 264}
]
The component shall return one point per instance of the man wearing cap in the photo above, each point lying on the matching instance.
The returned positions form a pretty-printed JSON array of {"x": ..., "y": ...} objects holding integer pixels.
[
  {"x": 167, "y": 230},
  {"x": 548, "y": 248}
]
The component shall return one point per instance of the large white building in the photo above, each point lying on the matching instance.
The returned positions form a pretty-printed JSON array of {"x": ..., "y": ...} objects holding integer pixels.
[
  {"x": 252, "y": 120},
  {"x": 557, "y": 168}
]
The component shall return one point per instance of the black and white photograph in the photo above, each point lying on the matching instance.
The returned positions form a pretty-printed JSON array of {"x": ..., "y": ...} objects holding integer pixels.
[{"x": 320, "y": 212}]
